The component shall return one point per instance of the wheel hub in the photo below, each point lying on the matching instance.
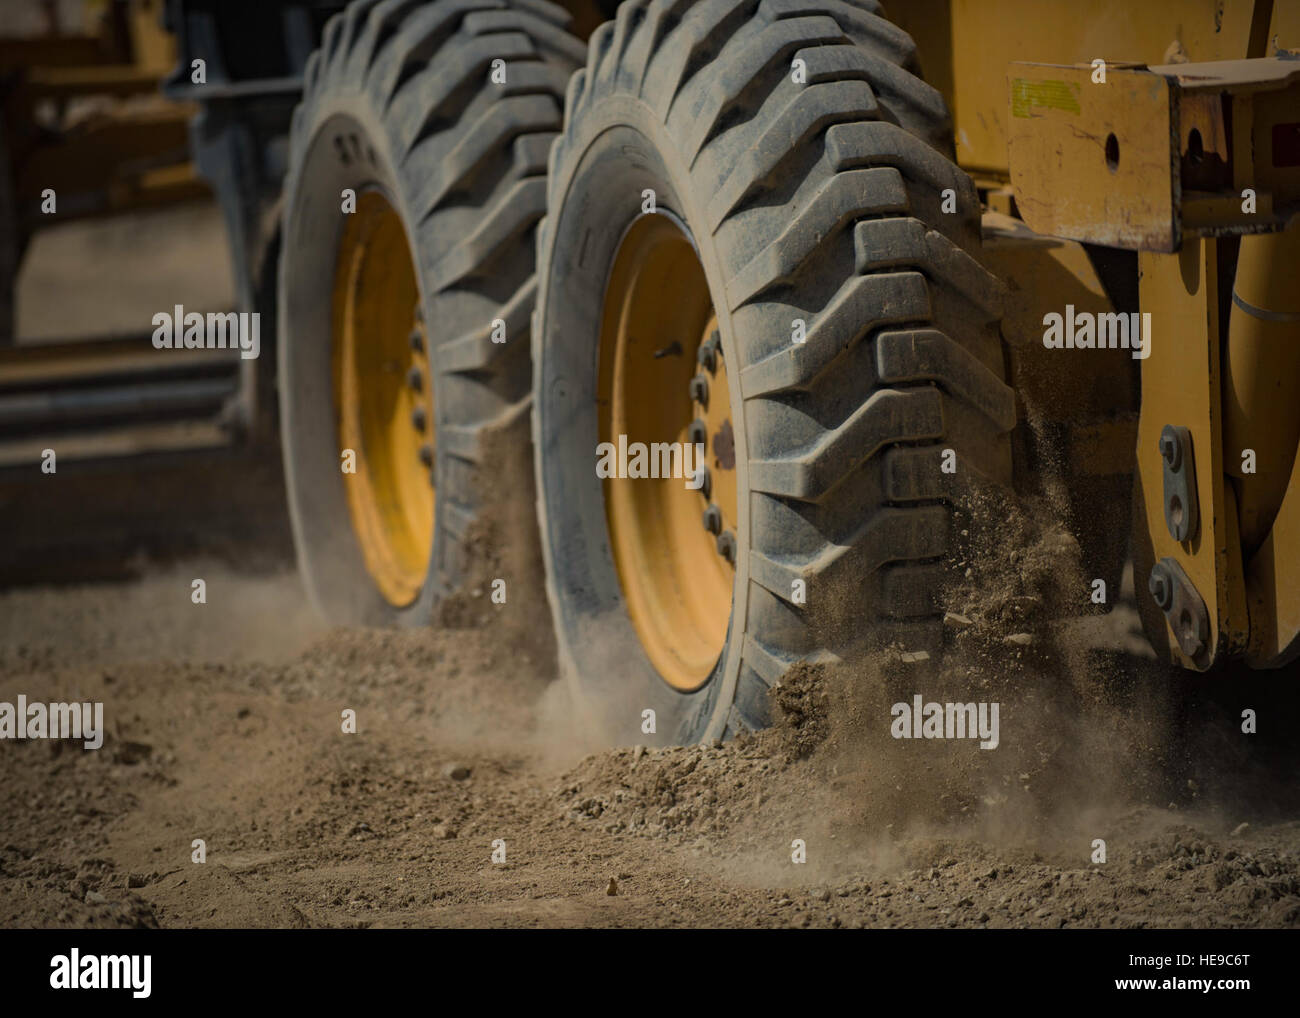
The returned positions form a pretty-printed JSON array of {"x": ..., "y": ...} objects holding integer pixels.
[
  {"x": 663, "y": 380},
  {"x": 383, "y": 399}
]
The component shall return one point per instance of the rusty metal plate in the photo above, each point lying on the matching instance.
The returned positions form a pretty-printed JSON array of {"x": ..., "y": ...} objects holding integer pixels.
[{"x": 1092, "y": 161}]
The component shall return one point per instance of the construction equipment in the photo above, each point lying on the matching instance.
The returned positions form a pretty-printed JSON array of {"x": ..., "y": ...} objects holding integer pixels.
[
  {"x": 868, "y": 259},
  {"x": 815, "y": 294},
  {"x": 163, "y": 104}
]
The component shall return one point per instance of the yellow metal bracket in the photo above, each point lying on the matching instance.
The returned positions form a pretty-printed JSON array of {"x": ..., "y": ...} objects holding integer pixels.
[
  {"x": 1152, "y": 155},
  {"x": 1181, "y": 386}
]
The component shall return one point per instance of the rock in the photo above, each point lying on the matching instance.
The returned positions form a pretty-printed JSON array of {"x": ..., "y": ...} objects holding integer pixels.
[
  {"x": 612, "y": 887},
  {"x": 136, "y": 880},
  {"x": 1240, "y": 829},
  {"x": 95, "y": 898},
  {"x": 955, "y": 621},
  {"x": 456, "y": 771},
  {"x": 131, "y": 753},
  {"x": 1019, "y": 639},
  {"x": 914, "y": 657},
  {"x": 444, "y": 832}
]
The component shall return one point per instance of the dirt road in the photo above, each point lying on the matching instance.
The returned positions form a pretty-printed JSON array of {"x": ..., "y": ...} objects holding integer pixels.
[{"x": 224, "y": 725}]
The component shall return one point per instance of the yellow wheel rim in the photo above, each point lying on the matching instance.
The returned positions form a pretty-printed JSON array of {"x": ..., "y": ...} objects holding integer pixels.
[
  {"x": 384, "y": 399},
  {"x": 674, "y": 548}
]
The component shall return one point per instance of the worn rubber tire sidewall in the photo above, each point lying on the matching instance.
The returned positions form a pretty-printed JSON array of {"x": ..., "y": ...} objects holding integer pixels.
[
  {"x": 601, "y": 185},
  {"x": 336, "y": 573}
]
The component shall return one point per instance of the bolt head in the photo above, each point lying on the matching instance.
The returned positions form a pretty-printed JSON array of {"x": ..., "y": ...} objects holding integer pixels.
[
  {"x": 1161, "y": 586},
  {"x": 426, "y": 455},
  {"x": 700, "y": 390},
  {"x": 727, "y": 546},
  {"x": 708, "y": 352},
  {"x": 1171, "y": 449},
  {"x": 416, "y": 340},
  {"x": 1190, "y": 639},
  {"x": 697, "y": 433},
  {"x": 419, "y": 418},
  {"x": 415, "y": 379},
  {"x": 713, "y": 519}
]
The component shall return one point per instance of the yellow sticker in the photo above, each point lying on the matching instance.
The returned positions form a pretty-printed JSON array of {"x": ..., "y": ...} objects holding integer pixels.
[{"x": 1055, "y": 95}]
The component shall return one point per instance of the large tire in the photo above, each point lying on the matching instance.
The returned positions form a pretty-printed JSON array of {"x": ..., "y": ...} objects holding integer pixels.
[
  {"x": 820, "y": 201},
  {"x": 399, "y": 103}
]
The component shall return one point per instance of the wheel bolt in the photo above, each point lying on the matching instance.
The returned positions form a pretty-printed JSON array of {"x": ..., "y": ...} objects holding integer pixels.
[
  {"x": 419, "y": 418},
  {"x": 697, "y": 433},
  {"x": 706, "y": 483},
  {"x": 727, "y": 546},
  {"x": 417, "y": 340},
  {"x": 700, "y": 390},
  {"x": 713, "y": 519},
  {"x": 426, "y": 455},
  {"x": 708, "y": 352},
  {"x": 415, "y": 378}
]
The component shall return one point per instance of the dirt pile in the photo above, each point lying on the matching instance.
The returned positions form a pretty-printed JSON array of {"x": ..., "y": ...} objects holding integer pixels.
[{"x": 229, "y": 731}]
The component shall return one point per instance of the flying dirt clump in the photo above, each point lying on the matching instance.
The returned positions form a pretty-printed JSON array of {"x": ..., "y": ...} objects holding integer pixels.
[
  {"x": 802, "y": 708},
  {"x": 1018, "y": 567}
]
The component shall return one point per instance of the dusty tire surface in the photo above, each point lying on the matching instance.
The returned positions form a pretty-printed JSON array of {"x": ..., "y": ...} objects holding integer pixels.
[
  {"x": 827, "y": 201},
  {"x": 399, "y": 100}
]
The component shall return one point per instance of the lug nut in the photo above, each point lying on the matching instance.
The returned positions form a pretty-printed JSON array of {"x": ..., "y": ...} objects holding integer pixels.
[
  {"x": 727, "y": 546},
  {"x": 713, "y": 519},
  {"x": 700, "y": 390},
  {"x": 708, "y": 352},
  {"x": 415, "y": 379},
  {"x": 706, "y": 483},
  {"x": 426, "y": 455},
  {"x": 697, "y": 434},
  {"x": 416, "y": 339},
  {"x": 419, "y": 418}
]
